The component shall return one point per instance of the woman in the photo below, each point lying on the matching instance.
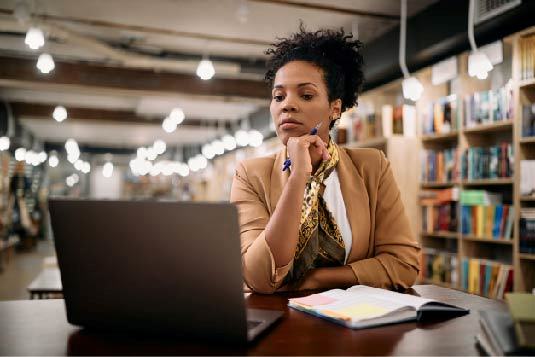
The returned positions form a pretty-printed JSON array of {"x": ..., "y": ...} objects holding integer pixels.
[{"x": 334, "y": 218}]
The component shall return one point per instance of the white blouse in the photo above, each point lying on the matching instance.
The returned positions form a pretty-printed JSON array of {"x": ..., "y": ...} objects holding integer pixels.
[{"x": 335, "y": 203}]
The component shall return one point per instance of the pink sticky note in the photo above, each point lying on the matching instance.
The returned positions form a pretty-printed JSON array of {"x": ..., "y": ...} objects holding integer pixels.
[{"x": 314, "y": 299}]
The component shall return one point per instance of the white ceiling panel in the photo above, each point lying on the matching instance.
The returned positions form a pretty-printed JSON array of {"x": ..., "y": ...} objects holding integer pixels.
[{"x": 115, "y": 135}]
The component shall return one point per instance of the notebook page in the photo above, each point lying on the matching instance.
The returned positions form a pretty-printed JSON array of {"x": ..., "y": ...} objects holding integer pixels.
[{"x": 404, "y": 299}]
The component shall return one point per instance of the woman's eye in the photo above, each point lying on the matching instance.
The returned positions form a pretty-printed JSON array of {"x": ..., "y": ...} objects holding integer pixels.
[
  {"x": 307, "y": 96},
  {"x": 278, "y": 98}
]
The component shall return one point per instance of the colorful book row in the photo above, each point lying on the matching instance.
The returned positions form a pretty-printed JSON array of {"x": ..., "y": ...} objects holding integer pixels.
[
  {"x": 440, "y": 165},
  {"x": 440, "y": 267},
  {"x": 527, "y": 230},
  {"x": 489, "y": 107},
  {"x": 488, "y": 163},
  {"x": 490, "y": 222},
  {"x": 485, "y": 277},
  {"x": 442, "y": 116}
]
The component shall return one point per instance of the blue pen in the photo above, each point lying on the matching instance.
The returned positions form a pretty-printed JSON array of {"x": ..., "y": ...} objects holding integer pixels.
[{"x": 288, "y": 162}]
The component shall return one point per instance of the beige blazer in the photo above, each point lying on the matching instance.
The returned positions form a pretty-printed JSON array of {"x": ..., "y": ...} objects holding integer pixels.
[{"x": 384, "y": 251}]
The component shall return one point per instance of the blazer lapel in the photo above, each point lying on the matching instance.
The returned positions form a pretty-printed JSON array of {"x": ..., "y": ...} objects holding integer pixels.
[
  {"x": 279, "y": 179},
  {"x": 356, "y": 201}
]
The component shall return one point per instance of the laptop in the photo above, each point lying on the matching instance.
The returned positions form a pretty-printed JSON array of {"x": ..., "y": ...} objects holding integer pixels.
[{"x": 163, "y": 267}]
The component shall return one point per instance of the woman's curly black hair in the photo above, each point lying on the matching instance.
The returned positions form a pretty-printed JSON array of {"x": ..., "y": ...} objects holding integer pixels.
[{"x": 334, "y": 52}]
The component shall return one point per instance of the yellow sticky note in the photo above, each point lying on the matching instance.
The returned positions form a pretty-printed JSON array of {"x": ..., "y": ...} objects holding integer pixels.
[{"x": 359, "y": 311}]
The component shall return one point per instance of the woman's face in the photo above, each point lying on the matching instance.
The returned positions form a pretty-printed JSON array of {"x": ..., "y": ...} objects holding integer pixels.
[{"x": 300, "y": 101}]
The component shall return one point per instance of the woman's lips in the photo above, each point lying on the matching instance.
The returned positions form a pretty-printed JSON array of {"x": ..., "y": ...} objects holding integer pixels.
[{"x": 290, "y": 125}]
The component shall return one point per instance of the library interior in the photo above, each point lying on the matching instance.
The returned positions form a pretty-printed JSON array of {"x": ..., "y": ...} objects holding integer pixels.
[{"x": 136, "y": 136}]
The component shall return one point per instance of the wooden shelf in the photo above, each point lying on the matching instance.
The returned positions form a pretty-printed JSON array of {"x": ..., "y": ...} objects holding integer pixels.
[
  {"x": 527, "y": 198},
  {"x": 439, "y": 138},
  {"x": 526, "y": 256},
  {"x": 527, "y": 140},
  {"x": 441, "y": 234},
  {"x": 438, "y": 184},
  {"x": 370, "y": 143},
  {"x": 486, "y": 128},
  {"x": 486, "y": 240},
  {"x": 489, "y": 182},
  {"x": 527, "y": 83}
]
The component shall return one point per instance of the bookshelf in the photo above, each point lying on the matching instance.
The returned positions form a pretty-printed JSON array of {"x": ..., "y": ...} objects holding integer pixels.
[{"x": 486, "y": 249}]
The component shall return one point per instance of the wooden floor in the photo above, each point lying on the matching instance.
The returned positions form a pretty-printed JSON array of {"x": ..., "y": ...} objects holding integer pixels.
[{"x": 22, "y": 269}]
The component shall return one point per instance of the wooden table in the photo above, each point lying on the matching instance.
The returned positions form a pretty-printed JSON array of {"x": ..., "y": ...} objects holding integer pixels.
[
  {"x": 46, "y": 284},
  {"x": 39, "y": 327}
]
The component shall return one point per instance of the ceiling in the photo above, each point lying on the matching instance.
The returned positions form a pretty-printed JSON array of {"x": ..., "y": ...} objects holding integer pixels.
[{"x": 149, "y": 40}]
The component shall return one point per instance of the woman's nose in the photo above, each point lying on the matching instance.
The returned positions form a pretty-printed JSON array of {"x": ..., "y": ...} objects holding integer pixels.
[{"x": 289, "y": 106}]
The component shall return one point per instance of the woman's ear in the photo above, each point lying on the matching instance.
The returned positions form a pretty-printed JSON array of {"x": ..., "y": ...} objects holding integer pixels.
[{"x": 336, "y": 109}]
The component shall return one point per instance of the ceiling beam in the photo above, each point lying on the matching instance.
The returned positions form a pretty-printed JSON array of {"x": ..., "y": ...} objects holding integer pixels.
[
  {"x": 22, "y": 72},
  {"x": 77, "y": 114},
  {"x": 144, "y": 29},
  {"x": 336, "y": 9},
  {"x": 436, "y": 33}
]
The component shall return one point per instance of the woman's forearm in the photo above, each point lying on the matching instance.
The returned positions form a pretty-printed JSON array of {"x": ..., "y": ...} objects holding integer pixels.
[
  {"x": 329, "y": 278},
  {"x": 282, "y": 231}
]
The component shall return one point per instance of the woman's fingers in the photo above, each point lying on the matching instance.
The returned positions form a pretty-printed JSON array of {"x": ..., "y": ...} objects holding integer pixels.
[{"x": 320, "y": 145}]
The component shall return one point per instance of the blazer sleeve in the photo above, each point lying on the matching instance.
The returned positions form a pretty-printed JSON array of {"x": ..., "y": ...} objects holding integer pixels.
[
  {"x": 395, "y": 264},
  {"x": 258, "y": 265}
]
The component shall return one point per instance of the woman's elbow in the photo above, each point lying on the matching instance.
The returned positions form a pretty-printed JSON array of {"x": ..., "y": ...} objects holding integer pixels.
[
  {"x": 408, "y": 277},
  {"x": 260, "y": 286}
]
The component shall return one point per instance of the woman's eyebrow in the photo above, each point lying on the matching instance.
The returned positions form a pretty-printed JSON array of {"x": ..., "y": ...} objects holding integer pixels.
[{"x": 277, "y": 86}]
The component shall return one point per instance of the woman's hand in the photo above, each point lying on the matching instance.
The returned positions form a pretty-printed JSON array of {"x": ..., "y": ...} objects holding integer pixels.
[{"x": 306, "y": 152}]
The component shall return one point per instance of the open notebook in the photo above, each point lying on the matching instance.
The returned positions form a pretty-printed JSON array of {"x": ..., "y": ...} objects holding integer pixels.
[{"x": 362, "y": 307}]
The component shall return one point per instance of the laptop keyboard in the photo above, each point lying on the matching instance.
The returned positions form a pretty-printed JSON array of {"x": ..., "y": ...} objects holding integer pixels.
[{"x": 251, "y": 324}]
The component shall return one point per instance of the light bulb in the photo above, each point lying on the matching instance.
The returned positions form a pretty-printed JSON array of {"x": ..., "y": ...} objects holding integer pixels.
[
  {"x": 35, "y": 38},
  {"x": 177, "y": 115},
  {"x": 151, "y": 154},
  {"x": 205, "y": 70},
  {"x": 242, "y": 138},
  {"x": 42, "y": 157},
  {"x": 70, "y": 181},
  {"x": 208, "y": 151},
  {"x": 142, "y": 153},
  {"x": 60, "y": 113},
  {"x": 183, "y": 170},
  {"x": 229, "y": 142},
  {"x": 107, "y": 170},
  {"x": 53, "y": 161},
  {"x": 169, "y": 125},
  {"x": 218, "y": 147},
  {"x": 479, "y": 65},
  {"x": 255, "y": 138},
  {"x": 4, "y": 143},
  {"x": 45, "y": 63},
  {"x": 167, "y": 169},
  {"x": 412, "y": 88},
  {"x": 86, "y": 168},
  {"x": 193, "y": 164},
  {"x": 29, "y": 157},
  {"x": 159, "y": 146},
  {"x": 78, "y": 165},
  {"x": 20, "y": 154},
  {"x": 201, "y": 161},
  {"x": 71, "y": 145}
]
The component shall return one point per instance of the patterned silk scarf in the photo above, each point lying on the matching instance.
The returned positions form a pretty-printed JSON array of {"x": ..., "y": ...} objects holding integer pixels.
[{"x": 320, "y": 240}]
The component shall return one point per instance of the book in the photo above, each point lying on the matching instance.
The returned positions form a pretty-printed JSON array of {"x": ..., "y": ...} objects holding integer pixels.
[
  {"x": 497, "y": 336},
  {"x": 522, "y": 309},
  {"x": 362, "y": 306}
]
